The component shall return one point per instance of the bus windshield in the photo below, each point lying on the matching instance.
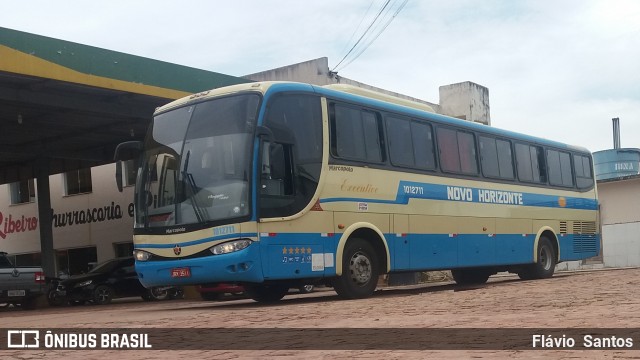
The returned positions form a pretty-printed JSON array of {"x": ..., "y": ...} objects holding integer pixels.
[{"x": 196, "y": 163}]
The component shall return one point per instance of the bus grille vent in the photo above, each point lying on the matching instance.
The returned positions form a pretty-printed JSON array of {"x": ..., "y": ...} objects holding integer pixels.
[
  {"x": 563, "y": 227},
  {"x": 584, "y": 227},
  {"x": 584, "y": 236},
  {"x": 584, "y": 243}
]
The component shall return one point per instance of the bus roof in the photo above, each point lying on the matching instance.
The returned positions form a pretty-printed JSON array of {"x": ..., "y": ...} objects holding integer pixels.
[{"x": 366, "y": 98}]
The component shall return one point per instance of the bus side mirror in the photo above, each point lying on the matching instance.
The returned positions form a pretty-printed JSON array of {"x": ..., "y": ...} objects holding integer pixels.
[
  {"x": 119, "y": 175},
  {"x": 125, "y": 151},
  {"x": 264, "y": 132}
]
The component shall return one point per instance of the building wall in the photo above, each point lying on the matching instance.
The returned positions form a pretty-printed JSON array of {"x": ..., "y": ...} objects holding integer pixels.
[
  {"x": 111, "y": 210},
  {"x": 465, "y": 100},
  {"x": 317, "y": 72},
  {"x": 620, "y": 218}
]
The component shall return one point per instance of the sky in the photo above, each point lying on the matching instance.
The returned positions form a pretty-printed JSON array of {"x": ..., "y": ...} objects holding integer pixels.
[{"x": 558, "y": 69}]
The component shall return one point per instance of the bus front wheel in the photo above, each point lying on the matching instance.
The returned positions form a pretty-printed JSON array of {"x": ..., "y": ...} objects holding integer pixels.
[
  {"x": 360, "y": 271},
  {"x": 546, "y": 264}
]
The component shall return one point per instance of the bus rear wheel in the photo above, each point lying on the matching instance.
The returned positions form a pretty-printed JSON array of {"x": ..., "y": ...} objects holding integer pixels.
[
  {"x": 546, "y": 264},
  {"x": 360, "y": 271},
  {"x": 470, "y": 276}
]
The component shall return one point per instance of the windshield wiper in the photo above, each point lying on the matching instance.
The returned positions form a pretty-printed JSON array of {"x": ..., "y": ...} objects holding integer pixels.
[{"x": 201, "y": 212}]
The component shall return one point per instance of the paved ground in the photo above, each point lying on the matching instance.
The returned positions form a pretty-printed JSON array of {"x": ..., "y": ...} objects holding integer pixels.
[{"x": 594, "y": 299}]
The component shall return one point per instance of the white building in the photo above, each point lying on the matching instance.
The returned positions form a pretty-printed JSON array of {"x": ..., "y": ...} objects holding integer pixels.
[
  {"x": 620, "y": 217},
  {"x": 92, "y": 221}
]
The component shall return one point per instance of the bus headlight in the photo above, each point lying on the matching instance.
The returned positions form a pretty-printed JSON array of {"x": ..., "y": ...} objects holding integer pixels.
[
  {"x": 231, "y": 246},
  {"x": 141, "y": 255}
]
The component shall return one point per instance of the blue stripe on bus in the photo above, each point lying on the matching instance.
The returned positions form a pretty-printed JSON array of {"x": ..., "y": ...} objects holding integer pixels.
[
  {"x": 196, "y": 242},
  {"x": 413, "y": 190},
  {"x": 286, "y": 256}
]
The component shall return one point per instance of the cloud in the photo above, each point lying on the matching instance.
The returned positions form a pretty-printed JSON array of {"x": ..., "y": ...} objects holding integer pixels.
[{"x": 558, "y": 69}]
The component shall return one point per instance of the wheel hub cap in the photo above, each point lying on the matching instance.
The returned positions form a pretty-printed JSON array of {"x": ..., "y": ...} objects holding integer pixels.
[{"x": 360, "y": 268}]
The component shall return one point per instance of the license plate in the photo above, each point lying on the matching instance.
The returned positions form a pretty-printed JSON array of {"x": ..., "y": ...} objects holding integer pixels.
[
  {"x": 16, "y": 293},
  {"x": 180, "y": 272}
]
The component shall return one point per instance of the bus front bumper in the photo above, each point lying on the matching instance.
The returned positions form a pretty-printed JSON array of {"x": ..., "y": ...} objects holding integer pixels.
[{"x": 236, "y": 267}]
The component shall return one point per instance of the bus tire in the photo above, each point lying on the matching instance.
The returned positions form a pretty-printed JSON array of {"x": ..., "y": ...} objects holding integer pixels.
[
  {"x": 360, "y": 271},
  {"x": 267, "y": 293},
  {"x": 470, "y": 276},
  {"x": 546, "y": 264}
]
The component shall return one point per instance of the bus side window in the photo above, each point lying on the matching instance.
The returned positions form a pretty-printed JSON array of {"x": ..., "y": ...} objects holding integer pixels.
[
  {"x": 582, "y": 168},
  {"x": 559, "y": 168},
  {"x": 542, "y": 167},
  {"x": 457, "y": 151},
  {"x": 531, "y": 163}
]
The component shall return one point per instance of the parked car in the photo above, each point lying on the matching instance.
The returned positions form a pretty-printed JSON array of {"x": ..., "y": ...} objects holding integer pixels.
[
  {"x": 212, "y": 292},
  {"x": 20, "y": 285},
  {"x": 111, "y": 279}
]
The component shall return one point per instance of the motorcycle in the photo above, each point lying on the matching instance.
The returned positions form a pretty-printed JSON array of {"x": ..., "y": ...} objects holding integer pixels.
[{"x": 54, "y": 298}]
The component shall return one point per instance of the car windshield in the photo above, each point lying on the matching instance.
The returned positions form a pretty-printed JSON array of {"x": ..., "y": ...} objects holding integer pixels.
[{"x": 196, "y": 163}]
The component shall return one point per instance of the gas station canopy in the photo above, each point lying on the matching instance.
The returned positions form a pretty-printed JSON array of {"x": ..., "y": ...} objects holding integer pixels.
[{"x": 68, "y": 105}]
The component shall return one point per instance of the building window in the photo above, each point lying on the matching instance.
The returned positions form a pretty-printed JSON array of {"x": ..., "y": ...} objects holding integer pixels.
[
  {"x": 123, "y": 249},
  {"x": 77, "y": 260},
  {"x": 23, "y": 192},
  {"x": 78, "y": 181},
  {"x": 30, "y": 259}
]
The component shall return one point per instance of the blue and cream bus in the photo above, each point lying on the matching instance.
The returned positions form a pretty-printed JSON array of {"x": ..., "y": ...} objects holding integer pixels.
[{"x": 271, "y": 185}]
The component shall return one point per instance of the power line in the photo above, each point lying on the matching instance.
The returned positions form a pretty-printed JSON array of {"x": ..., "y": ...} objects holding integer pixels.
[
  {"x": 376, "y": 36},
  {"x": 363, "y": 34},
  {"x": 358, "y": 27}
]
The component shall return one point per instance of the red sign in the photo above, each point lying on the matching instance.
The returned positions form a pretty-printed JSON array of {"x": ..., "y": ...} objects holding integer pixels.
[{"x": 10, "y": 226}]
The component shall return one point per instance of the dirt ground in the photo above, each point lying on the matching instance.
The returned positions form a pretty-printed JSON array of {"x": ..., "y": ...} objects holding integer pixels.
[{"x": 588, "y": 300}]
